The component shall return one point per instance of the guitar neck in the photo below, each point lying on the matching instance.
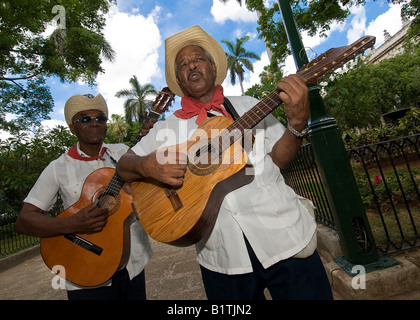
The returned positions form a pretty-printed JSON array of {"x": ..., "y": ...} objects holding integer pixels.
[
  {"x": 254, "y": 116},
  {"x": 310, "y": 73},
  {"x": 150, "y": 116},
  {"x": 116, "y": 183}
]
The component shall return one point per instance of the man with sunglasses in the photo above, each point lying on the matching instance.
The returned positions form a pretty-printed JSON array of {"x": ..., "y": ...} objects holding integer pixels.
[{"x": 86, "y": 116}]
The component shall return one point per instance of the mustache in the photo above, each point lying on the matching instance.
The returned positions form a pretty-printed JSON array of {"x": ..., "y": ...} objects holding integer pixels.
[{"x": 194, "y": 71}]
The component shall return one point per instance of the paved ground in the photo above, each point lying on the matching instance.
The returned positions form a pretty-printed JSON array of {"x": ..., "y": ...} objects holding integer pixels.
[{"x": 171, "y": 274}]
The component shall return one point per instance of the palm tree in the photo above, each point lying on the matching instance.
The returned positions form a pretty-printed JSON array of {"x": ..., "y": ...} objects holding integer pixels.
[
  {"x": 238, "y": 58},
  {"x": 117, "y": 129},
  {"x": 138, "y": 100},
  {"x": 259, "y": 14}
]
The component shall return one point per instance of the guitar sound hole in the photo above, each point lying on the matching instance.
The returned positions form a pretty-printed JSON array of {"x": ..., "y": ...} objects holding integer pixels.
[
  {"x": 205, "y": 156},
  {"x": 106, "y": 199}
]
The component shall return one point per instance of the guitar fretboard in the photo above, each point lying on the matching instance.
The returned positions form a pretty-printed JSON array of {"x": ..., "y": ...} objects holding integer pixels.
[
  {"x": 116, "y": 183},
  {"x": 237, "y": 129},
  {"x": 262, "y": 109}
]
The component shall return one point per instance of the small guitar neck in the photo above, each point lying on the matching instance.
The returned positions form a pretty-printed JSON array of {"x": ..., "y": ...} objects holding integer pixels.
[
  {"x": 150, "y": 116},
  {"x": 116, "y": 183},
  {"x": 161, "y": 103}
]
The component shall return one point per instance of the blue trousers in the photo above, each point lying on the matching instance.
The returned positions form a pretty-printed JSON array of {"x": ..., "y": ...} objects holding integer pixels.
[
  {"x": 122, "y": 288},
  {"x": 290, "y": 279}
]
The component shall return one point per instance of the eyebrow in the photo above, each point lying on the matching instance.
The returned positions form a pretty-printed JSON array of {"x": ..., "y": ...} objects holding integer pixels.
[{"x": 194, "y": 55}]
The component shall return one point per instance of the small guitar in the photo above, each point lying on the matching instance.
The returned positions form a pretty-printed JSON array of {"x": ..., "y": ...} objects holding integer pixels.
[
  {"x": 92, "y": 259},
  {"x": 185, "y": 215}
]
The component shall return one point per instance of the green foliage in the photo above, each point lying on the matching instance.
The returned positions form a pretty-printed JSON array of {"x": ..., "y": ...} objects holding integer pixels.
[
  {"x": 137, "y": 100},
  {"x": 117, "y": 129},
  {"x": 314, "y": 16},
  {"x": 408, "y": 125},
  {"x": 269, "y": 81},
  {"x": 22, "y": 159},
  {"x": 30, "y": 105},
  {"x": 358, "y": 98},
  {"x": 28, "y": 55},
  {"x": 386, "y": 187},
  {"x": 238, "y": 58}
]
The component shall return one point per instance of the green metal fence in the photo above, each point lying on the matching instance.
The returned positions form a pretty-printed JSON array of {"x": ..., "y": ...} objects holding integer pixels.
[
  {"x": 12, "y": 242},
  {"x": 388, "y": 177}
]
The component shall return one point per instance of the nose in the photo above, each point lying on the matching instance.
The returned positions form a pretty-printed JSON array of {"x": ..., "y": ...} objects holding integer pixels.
[
  {"x": 192, "y": 65},
  {"x": 94, "y": 122}
]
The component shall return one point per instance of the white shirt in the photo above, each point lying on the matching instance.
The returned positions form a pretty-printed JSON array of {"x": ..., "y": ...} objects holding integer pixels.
[
  {"x": 66, "y": 176},
  {"x": 267, "y": 211}
]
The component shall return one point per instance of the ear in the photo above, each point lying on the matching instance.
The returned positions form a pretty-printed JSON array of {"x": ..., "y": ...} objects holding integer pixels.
[
  {"x": 72, "y": 129},
  {"x": 181, "y": 86},
  {"x": 214, "y": 69}
]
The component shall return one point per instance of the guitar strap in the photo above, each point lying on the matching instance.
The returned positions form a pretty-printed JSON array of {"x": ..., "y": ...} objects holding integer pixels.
[{"x": 229, "y": 108}]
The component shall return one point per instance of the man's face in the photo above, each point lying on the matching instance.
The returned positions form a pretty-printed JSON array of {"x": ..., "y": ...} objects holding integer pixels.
[
  {"x": 196, "y": 74},
  {"x": 92, "y": 132}
]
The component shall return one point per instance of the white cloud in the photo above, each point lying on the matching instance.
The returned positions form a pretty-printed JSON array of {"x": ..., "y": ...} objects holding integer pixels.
[
  {"x": 289, "y": 66},
  {"x": 231, "y": 11},
  {"x": 389, "y": 21},
  {"x": 136, "y": 40},
  {"x": 51, "y": 124},
  {"x": 4, "y": 135},
  {"x": 358, "y": 24}
]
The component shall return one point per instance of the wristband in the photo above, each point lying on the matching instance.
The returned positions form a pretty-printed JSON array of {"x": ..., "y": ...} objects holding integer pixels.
[{"x": 298, "y": 134}]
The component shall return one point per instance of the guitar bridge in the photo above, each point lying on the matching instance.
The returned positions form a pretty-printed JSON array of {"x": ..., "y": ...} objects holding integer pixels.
[
  {"x": 84, "y": 243},
  {"x": 174, "y": 198}
]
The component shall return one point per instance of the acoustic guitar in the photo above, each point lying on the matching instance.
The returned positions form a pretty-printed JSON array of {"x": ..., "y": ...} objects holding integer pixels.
[
  {"x": 216, "y": 165},
  {"x": 91, "y": 259}
]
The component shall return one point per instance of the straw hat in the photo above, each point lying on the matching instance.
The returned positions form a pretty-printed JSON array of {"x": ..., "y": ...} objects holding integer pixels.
[
  {"x": 194, "y": 35},
  {"x": 82, "y": 102}
]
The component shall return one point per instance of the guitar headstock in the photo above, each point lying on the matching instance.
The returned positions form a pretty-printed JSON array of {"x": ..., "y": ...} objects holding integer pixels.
[
  {"x": 163, "y": 101},
  {"x": 333, "y": 59}
]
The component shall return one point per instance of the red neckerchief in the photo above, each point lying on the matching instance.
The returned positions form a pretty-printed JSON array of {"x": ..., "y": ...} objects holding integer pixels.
[
  {"x": 192, "y": 107},
  {"x": 75, "y": 155}
]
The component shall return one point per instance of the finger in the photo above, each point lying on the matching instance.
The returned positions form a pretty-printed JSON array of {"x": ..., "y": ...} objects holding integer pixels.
[
  {"x": 175, "y": 182},
  {"x": 182, "y": 158}
]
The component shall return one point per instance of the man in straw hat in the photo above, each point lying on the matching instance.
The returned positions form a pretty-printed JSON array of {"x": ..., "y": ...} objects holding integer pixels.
[
  {"x": 264, "y": 235},
  {"x": 86, "y": 116}
]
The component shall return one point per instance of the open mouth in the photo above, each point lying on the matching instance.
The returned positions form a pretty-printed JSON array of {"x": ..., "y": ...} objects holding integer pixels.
[{"x": 194, "y": 75}]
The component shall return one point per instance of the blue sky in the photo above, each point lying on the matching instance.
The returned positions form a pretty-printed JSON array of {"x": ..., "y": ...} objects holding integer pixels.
[{"x": 137, "y": 29}]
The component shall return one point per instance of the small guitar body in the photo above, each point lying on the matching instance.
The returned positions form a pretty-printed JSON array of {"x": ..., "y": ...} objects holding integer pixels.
[
  {"x": 183, "y": 216},
  {"x": 91, "y": 259}
]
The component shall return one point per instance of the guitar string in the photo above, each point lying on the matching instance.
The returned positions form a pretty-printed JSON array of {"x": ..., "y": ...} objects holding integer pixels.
[
  {"x": 116, "y": 182},
  {"x": 246, "y": 121},
  {"x": 275, "y": 99}
]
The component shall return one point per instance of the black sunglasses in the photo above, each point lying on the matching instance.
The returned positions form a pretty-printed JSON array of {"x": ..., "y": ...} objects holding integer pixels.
[{"x": 86, "y": 119}]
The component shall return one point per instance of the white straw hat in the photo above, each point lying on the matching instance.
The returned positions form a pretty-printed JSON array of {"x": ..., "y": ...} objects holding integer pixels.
[
  {"x": 82, "y": 102},
  {"x": 194, "y": 35}
]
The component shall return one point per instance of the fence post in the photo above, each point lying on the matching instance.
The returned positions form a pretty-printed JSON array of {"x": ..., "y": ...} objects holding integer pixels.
[{"x": 336, "y": 173}]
